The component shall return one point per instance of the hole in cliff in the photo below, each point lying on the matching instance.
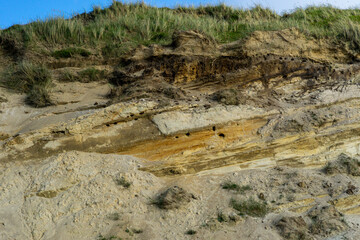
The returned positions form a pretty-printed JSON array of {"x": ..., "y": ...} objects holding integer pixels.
[
  {"x": 292, "y": 59},
  {"x": 176, "y": 136},
  {"x": 136, "y": 119},
  {"x": 108, "y": 125},
  {"x": 304, "y": 60},
  {"x": 131, "y": 115},
  {"x": 213, "y": 128},
  {"x": 187, "y": 134},
  {"x": 281, "y": 58},
  {"x": 141, "y": 113},
  {"x": 285, "y": 76},
  {"x": 222, "y": 135},
  {"x": 115, "y": 123}
]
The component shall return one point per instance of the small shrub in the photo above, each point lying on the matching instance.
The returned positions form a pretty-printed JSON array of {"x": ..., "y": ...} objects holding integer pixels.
[
  {"x": 221, "y": 217},
  {"x": 230, "y": 186},
  {"x": 114, "y": 216},
  {"x": 108, "y": 238},
  {"x": 190, "y": 232},
  {"x": 133, "y": 231},
  {"x": 39, "y": 97},
  {"x": 71, "y": 52},
  {"x": 137, "y": 231},
  {"x": 250, "y": 207},
  {"x": 25, "y": 75},
  {"x": 33, "y": 79},
  {"x": 123, "y": 182},
  {"x": 235, "y": 187},
  {"x": 343, "y": 164}
]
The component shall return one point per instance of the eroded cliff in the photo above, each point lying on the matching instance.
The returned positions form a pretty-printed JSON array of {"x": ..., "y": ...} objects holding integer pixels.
[{"x": 268, "y": 111}]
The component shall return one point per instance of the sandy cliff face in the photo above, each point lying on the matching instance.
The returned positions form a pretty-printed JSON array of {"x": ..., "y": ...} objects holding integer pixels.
[{"x": 197, "y": 114}]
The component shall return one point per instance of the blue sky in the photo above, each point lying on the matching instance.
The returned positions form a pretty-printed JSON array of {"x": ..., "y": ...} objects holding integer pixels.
[{"x": 23, "y": 11}]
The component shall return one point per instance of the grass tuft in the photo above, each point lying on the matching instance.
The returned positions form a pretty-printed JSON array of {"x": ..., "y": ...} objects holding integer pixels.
[
  {"x": 91, "y": 75},
  {"x": 190, "y": 232},
  {"x": 235, "y": 187},
  {"x": 33, "y": 79},
  {"x": 123, "y": 182},
  {"x": 71, "y": 52},
  {"x": 250, "y": 207},
  {"x": 343, "y": 164},
  {"x": 39, "y": 97},
  {"x": 68, "y": 76}
]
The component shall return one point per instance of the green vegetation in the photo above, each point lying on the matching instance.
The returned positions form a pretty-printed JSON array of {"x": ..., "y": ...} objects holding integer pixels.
[
  {"x": 343, "y": 164},
  {"x": 35, "y": 80},
  {"x": 221, "y": 217},
  {"x": 250, "y": 207},
  {"x": 133, "y": 231},
  {"x": 68, "y": 76},
  {"x": 115, "y": 30},
  {"x": 39, "y": 96},
  {"x": 112, "y": 32},
  {"x": 190, "y": 232},
  {"x": 108, "y": 238},
  {"x": 71, "y": 52},
  {"x": 235, "y": 187},
  {"x": 91, "y": 74},
  {"x": 87, "y": 75},
  {"x": 114, "y": 216},
  {"x": 123, "y": 182}
]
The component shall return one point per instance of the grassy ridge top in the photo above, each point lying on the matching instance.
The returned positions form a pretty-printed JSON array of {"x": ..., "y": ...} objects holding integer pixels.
[
  {"x": 121, "y": 27},
  {"x": 26, "y": 51}
]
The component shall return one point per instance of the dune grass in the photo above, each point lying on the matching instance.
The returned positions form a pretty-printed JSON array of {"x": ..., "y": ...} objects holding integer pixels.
[
  {"x": 121, "y": 27},
  {"x": 70, "y": 52},
  {"x": 112, "y": 32},
  {"x": 32, "y": 79}
]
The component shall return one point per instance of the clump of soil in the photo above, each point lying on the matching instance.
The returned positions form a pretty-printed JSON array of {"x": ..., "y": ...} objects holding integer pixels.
[
  {"x": 326, "y": 221},
  {"x": 293, "y": 228},
  {"x": 147, "y": 89},
  {"x": 192, "y": 41},
  {"x": 3, "y": 99}
]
